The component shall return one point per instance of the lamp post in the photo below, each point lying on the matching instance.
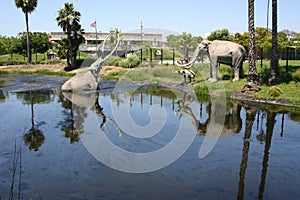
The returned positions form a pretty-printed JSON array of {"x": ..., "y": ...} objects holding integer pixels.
[{"x": 44, "y": 45}]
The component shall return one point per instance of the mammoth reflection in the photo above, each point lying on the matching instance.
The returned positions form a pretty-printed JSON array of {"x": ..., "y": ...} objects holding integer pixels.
[
  {"x": 78, "y": 103},
  {"x": 230, "y": 119}
]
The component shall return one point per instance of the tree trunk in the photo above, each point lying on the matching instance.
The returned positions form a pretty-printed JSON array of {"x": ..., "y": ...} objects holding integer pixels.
[
  {"x": 252, "y": 73},
  {"x": 28, "y": 39},
  {"x": 252, "y": 85},
  {"x": 274, "y": 72},
  {"x": 70, "y": 51}
]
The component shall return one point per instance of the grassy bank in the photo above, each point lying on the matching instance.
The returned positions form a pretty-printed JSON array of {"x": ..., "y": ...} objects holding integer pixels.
[{"x": 289, "y": 88}]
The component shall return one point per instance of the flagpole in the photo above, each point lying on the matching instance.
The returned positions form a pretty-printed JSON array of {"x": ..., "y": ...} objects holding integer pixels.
[
  {"x": 96, "y": 39},
  {"x": 142, "y": 27}
]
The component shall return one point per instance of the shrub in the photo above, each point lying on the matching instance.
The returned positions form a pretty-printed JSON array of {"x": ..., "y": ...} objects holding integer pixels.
[
  {"x": 296, "y": 75},
  {"x": 201, "y": 90},
  {"x": 275, "y": 91},
  {"x": 113, "y": 61},
  {"x": 130, "y": 62},
  {"x": 12, "y": 62}
]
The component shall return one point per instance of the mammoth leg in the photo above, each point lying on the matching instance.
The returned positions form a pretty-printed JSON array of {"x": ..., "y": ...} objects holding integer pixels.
[
  {"x": 213, "y": 70},
  {"x": 238, "y": 68},
  {"x": 184, "y": 76}
]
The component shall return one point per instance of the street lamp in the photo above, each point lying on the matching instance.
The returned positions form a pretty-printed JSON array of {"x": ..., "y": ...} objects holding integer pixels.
[{"x": 44, "y": 45}]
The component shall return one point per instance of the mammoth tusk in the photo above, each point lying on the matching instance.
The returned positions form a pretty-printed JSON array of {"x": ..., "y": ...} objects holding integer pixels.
[{"x": 187, "y": 65}]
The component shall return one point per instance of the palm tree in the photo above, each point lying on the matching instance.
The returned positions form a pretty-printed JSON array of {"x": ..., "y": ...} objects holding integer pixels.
[
  {"x": 252, "y": 85},
  {"x": 252, "y": 73},
  {"x": 274, "y": 71},
  {"x": 68, "y": 19},
  {"x": 28, "y": 6}
]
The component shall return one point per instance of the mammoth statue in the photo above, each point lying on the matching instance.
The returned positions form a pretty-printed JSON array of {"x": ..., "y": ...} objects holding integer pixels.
[
  {"x": 218, "y": 51},
  {"x": 89, "y": 80}
]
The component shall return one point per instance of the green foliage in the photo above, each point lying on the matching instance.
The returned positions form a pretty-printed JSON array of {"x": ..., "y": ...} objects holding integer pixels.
[
  {"x": 222, "y": 34},
  {"x": 275, "y": 91},
  {"x": 296, "y": 75},
  {"x": 130, "y": 62},
  {"x": 184, "y": 43},
  {"x": 201, "y": 90},
  {"x": 241, "y": 39},
  {"x": 27, "y": 6},
  {"x": 138, "y": 75},
  {"x": 68, "y": 19},
  {"x": 113, "y": 61},
  {"x": 12, "y": 62},
  {"x": 116, "y": 75},
  {"x": 41, "y": 72}
]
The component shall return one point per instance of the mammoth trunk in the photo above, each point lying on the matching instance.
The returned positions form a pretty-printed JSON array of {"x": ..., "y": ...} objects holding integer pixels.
[{"x": 191, "y": 62}]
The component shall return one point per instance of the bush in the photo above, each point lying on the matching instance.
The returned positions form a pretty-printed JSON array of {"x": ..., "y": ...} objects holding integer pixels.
[
  {"x": 130, "y": 62},
  {"x": 275, "y": 91},
  {"x": 12, "y": 62},
  {"x": 296, "y": 75},
  {"x": 201, "y": 90},
  {"x": 113, "y": 61}
]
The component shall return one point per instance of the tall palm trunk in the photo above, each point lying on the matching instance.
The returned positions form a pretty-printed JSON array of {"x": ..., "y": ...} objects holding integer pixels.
[
  {"x": 274, "y": 72},
  {"x": 28, "y": 39},
  {"x": 252, "y": 85},
  {"x": 70, "y": 51},
  {"x": 252, "y": 73}
]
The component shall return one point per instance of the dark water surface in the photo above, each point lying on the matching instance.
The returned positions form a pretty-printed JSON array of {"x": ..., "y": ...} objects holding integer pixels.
[{"x": 98, "y": 145}]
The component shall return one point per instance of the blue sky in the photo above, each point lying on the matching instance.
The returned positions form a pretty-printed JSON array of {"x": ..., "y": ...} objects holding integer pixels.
[{"x": 197, "y": 17}]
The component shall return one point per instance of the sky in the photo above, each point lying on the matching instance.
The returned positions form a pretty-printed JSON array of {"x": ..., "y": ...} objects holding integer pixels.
[{"x": 197, "y": 17}]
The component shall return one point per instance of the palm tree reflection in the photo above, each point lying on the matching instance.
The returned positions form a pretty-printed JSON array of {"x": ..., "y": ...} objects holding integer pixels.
[
  {"x": 269, "y": 132},
  {"x": 250, "y": 117},
  {"x": 34, "y": 138},
  {"x": 263, "y": 137}
]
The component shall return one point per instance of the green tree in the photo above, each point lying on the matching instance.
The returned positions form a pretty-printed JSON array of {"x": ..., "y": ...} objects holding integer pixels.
[
  {"x": 27, "y": 6},
  {"x": 3, "y": 45},
  {"x": 40, "y": 43},
  {"x": 242, "y": 39},
  {"x": 63, "y": 48},
  {"x": 263, "y": 39},
  {"x": 68, "y": 19},
  {"x": 38, "y": 40},
  {"x": 222, "y": 34},
  {"x": 184, "y": 43}
]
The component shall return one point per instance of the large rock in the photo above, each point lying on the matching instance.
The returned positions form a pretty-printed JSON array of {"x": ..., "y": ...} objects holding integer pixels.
[{"x": 81, "y": 81}]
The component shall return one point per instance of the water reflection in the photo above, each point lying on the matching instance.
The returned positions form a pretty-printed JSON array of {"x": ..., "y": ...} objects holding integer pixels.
[
  {"x": 251, "y": 169},
  {"x": 250, "y": 117},
  {"x": 232, "y": 120},
  {"x": 34, "y": 137}
]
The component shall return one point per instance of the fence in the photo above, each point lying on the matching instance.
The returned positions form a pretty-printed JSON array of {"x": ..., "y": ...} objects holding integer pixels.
[{"x": 290, "y": 53}]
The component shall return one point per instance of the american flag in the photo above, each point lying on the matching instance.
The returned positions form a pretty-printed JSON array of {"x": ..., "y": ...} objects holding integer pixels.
[{"x": 93, "y": 24}]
